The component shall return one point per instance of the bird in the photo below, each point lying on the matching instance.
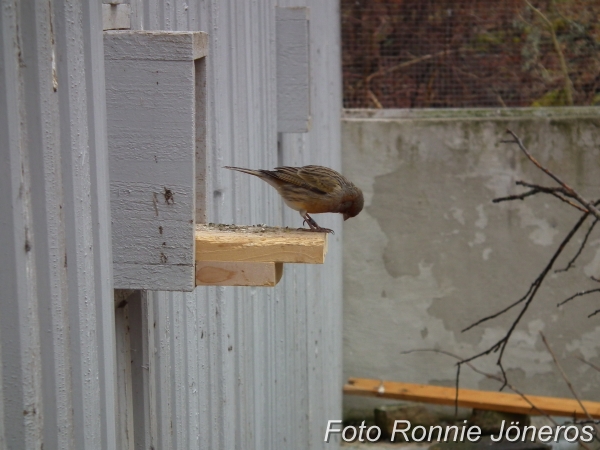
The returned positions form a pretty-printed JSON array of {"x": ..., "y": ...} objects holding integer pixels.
[{"x": 312, "y": 189}]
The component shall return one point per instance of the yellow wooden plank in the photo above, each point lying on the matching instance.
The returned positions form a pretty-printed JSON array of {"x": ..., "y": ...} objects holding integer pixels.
[
  {"x": 224, "y": 273},
  {"x": 259, "y": 244},
  {"x": 489, "y": 400}
]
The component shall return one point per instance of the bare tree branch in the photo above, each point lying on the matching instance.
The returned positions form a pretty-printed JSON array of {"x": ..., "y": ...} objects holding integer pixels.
[
  {"x": 500, "y": 345},
  {"x": 587, "y": 235},
  {"x": 588, "y": 205},
  {"x": 578, "y": 294},
  {"x": 566, "y": 379},
  {"x": 563, "y": 192}
]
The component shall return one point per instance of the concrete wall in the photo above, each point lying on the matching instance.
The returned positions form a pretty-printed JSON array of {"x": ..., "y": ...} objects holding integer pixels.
[{"x": 431, "y": 253}]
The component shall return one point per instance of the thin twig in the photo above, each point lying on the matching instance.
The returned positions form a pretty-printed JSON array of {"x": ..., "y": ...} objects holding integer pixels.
[
  {"x": 557, "y": 192},
  {"x": 594, "y": 313},
  {"x": 561, "y": 56},
  {"x": 485, "y": 374},
  {"x": 374, "y": 99},
  {"x": 578, "y": 294},
  {"x": 502, "y": 311},
  {"x": 456, "y": 391},
  {"x": 593, "y": 366},
  {"x": 522, "y": 196},
  {"x": 587, "y": 235},
  {"x": 404, "y": 64},
  {"x": 590, "y": 206},
  {"x": 566, "y": 379}
]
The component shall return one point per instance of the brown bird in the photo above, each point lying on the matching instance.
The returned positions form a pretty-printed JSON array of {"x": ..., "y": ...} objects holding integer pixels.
[{"x": 312, "y": 189}]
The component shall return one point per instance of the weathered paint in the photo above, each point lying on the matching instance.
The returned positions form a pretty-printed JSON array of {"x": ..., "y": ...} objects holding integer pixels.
[
  {"x": 248, "y": 367},
  {"x": 431, "y": 253},
  {"x": 56, "y": 315},
  {"x": 293, "y": 70},
  {"x": 152, "y": 141},
  {"x": 218, "y": 368}
]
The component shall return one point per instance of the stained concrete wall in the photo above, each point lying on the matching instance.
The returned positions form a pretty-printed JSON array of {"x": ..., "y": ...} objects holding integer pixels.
[{"x": 430, "y": 254}]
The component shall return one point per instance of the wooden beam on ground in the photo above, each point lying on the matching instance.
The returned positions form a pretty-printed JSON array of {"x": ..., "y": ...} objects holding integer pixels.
[
  {"x": 224, "y": 273},
  {"x": 470, "y": 398},
  {"x": 259, "y": 244}
]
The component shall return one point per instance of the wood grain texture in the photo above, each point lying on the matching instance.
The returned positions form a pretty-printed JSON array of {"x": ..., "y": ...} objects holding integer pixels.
[
  {"x": 293, "y": 70},
  {"x": 469, "y": 398},
  {"x": 223, "y": 273},
  {"x": 273, "y": 245},
  {"x": 151, "y": 89}
]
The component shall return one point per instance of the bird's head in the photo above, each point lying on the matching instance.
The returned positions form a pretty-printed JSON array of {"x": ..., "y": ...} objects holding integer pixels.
[{"x": 355, "y": 206}]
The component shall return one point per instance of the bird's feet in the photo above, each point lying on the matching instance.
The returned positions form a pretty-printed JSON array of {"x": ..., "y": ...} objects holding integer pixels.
[
  {"x": 317, "y": 230},
  {"x": 314, "y": 226}
]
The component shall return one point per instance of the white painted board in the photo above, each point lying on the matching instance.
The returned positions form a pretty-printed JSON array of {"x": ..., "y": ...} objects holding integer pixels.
[{"x": 152, "y": 139}]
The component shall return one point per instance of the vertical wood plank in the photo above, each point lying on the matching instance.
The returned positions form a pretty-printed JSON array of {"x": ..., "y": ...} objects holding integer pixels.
[{"x": 293, "y": 70}]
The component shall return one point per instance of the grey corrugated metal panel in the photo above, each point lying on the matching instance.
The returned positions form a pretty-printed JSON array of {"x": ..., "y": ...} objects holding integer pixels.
[
  {"x": 327, "y": 101},
  {"x": 100, "y": 196},
  {"x": 258, "y": 394},
  {"x": 68, "y": 27},
  {"x": 322, "y": 146},
  {"x": 56, "y": 139},
  {"x": 21, "y": 389}
]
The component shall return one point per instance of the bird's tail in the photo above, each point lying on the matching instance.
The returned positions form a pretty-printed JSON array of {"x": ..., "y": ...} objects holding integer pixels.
[{"x": 256, "y": 173}]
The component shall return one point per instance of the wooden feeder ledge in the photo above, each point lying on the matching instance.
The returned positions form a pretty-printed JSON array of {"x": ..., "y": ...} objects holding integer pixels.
[{"x": 232, "y": 255}]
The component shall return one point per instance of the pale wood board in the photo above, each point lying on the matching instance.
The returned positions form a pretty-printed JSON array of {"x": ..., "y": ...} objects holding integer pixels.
[
  {"x": 223, "y": 273},
  {"x": 470, "y": 398},
  {"x": 260, "y": 244}
]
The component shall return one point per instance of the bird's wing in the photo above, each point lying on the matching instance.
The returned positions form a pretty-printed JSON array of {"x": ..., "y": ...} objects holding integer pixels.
[
  {"x": 322, "y": 178},
  {"x": 292, "y": 175}
]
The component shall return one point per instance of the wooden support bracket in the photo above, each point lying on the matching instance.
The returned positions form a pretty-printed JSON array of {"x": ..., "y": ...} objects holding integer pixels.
[
  {"x": 156, "y": 128},
  {"x": 229, "y": 255},
  {"x": 219, "y": 273},
  {"x": 470, "y": 398}
]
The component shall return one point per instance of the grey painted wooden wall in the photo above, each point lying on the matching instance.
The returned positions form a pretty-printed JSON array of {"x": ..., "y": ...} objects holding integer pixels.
[
  {"x": 219, "y": 368},
  {"x": 56, "y": 309},
  {"x": 249, "y": 367}
]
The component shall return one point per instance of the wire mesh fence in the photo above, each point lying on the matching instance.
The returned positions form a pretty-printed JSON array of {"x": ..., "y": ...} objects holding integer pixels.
[{"x": 470, "y": 53}]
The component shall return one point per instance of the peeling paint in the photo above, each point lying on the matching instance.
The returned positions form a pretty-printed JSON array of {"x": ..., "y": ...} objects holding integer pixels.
[
  {"x": 457, "y": 213},
  {"x": 429, "y": 223},
  {"x": 587, "y": 345}
]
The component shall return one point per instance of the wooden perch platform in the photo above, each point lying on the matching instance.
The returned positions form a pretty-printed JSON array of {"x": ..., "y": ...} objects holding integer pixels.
[
  {"x": 230, "y": 255},
  {"x": 469, "y": 398}
]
